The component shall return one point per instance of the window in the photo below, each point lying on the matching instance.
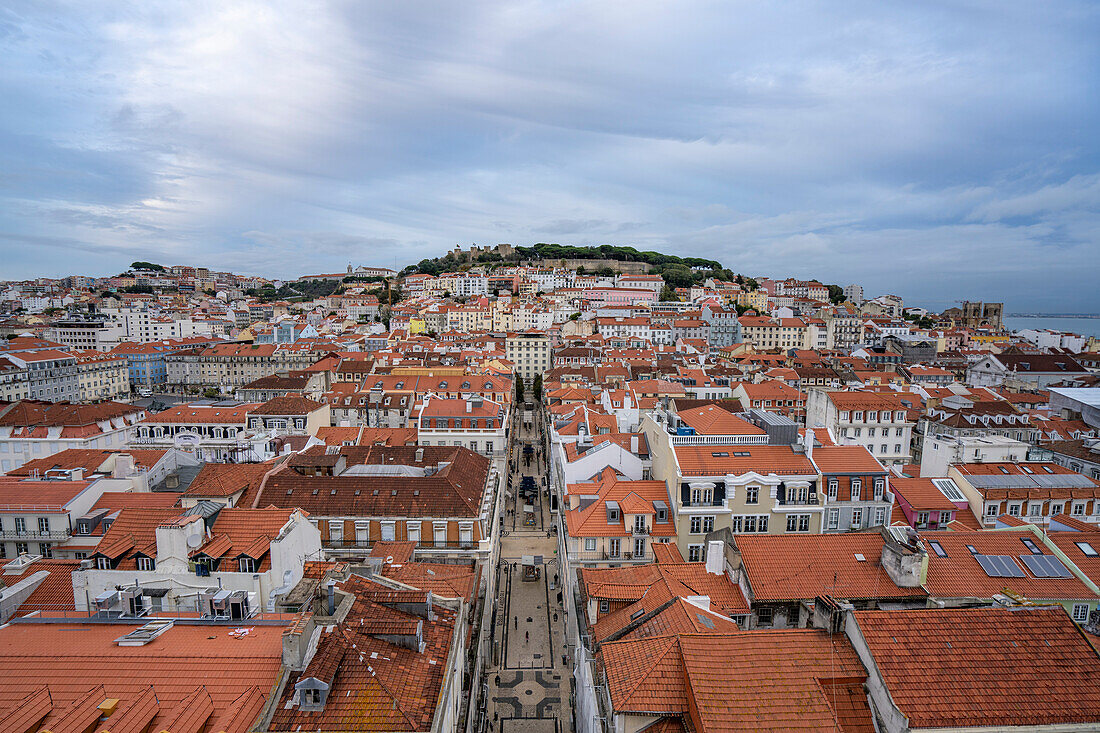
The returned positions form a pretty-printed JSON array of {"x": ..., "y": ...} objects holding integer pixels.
[
  {"x": 1035, "y": 510},
  {"x": 590, "y": 544},
  {"x": 145, "y": 563},
  {"x": 1078, "y": 510},
  {"x": 752, "y": 495},
  {"x": 1080, "y": 612},
  {"x": 884, "y": 449},
  {"x": 613, "y": 547},
  {"x": 792, "y": 522},
  {"x": 880, "y": 488},
  {"x": 43, "y": 525},
  {"x": 857, "y": 518},
  {"x": 764, "y": 616},
  {"x": 870, "y": 432},
  {"x": 103, "y": 563},
  {"x": 1014, "y": 510},
  {"x": 938, "y": 549},
  {"x": 1055, "y": 509},
  {"x": 701, "y": 525},
  {"x": 992, "y": 510},
  {"x": 695, "y": 553},
  {"x": 20, "y": 525},
  {"x": 833, "y": 485},
  {"x": 834, "y": 518},
  {"x": 922, "y": 518},
  {"x": 857, "y": 489},
  {"x": 388, "y": 531},
  {"x": 46, "y": 549},
  {"x": 700, "y": 497},
  {"x": 1087, "y": 549},
  {"x": 803, "y": 522},
  {"x": 605, "y": 607},
  {"x": 336, "y": 530}
]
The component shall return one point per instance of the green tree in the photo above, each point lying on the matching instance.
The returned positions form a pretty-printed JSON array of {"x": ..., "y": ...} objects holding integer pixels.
[
  {"x": 536, "y": 388},
  {"x": 678, "y": 276},
  {"x": 668, "y": 295},
  {"x": 142, "y": 265},
  {"x": 750, "y": 284},
  {"x": 210, "y": 393},
  {"x": 836, "y": 294},
  {"x": 519, "y": 389},
  {"x": 575, "y": 316}
]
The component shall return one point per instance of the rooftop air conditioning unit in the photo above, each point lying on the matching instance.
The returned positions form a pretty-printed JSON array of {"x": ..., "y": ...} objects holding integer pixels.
[{"x": 133, "y": 602}]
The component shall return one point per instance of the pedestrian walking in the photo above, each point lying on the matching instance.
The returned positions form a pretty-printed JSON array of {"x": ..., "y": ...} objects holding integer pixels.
[
  {"x": 517, "y": 622},
  {"x": 526, "y": 637}
]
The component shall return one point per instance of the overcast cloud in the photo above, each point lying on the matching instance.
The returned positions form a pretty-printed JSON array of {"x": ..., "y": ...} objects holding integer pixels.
[{"x": 934, "y": 150}]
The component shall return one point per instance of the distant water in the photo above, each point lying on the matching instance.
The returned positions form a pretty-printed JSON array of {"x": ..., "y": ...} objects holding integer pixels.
[{"x": 1083, "y": 326}]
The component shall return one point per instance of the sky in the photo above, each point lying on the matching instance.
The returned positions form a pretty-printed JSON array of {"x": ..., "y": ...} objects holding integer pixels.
[{"x": 938, "y": 151}]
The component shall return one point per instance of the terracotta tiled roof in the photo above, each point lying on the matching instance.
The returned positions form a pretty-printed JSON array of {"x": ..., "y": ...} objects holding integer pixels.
[
  {"x": 958, "y": 575},
  {"x": 16, "y": 494},
  {"x": 713, "y": 420},
  {"x": 81, "y": 664},
  {"x": 290, "y": 405},
  {"x": 799, "y": 567},
  {"x": 376, "y": 685},
  {"x": 226, "y": 479},
  {"x": 454, "y": 489},
  {"x": 957, "y": 668},
  {"x": 31, "y": 412},
  {"x": 682, "y": 580},
  {"x": 189, "y": 414},
  {"x": 922, "y": 494},
  {"x": 90, "y": 459},
  {"x": 845, "y": 459},
  {"x": 759, "y": 681},
  {"x": 55, "y": 593},
  {"x": 701, "y": 460}
]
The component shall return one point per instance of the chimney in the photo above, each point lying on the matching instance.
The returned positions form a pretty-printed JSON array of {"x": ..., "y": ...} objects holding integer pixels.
[
  {"x": 634, "y": 444},
  {"x": 469, "y": 405},
  {"x": 906, "y": 564},
  {"x": 419, "y": 455},
  {"x": 330, "y": 598},
  {"x": 124, "y": 466},
  {"x": 715, "y": 558},
  {"x": 808, "y": 441},
  {"x": 76, "y": 474}
]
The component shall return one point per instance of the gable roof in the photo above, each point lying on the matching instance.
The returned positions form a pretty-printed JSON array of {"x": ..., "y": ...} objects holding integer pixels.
[
  {"x": 984, "y": 667},
  {"x": 799, "y": 567}
]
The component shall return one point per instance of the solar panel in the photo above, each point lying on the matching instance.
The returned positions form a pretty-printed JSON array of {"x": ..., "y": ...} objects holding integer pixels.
[
  {"x": 987, "y": 566},
  {"x": 1045, "y": 566},
  {"x": 999, "y": 566}
]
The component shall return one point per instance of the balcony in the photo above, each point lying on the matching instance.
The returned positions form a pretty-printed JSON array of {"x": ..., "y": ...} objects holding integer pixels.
[
  {"x": 637, "y": 531},
  {"x": 366, "y": 545},
  {"x": 601, "y": 556},
  {"x": 33, "y": 536}
]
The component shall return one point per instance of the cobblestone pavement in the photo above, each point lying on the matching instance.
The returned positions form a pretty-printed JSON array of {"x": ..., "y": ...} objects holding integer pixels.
[{"x": 529, "y": 682}]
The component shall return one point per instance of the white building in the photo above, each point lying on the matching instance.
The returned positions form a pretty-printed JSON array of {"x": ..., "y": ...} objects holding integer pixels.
[{"x": 176, "y": 560}]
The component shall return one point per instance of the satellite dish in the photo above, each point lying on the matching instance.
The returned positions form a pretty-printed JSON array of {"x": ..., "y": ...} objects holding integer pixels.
[{"x": 194, "y": 540}]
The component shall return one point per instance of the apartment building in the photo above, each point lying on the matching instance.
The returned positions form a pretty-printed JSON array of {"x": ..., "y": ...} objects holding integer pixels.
[
  {"x": 876, "y": 420},
  {"x": 747, "y": 489},
  {"x": 1036, "y": 492},
  {"x": 32, "y": 429},
  {"x": 223, "y": 365},
  {"x": 38, "y": 514},
  {"x": 14, "y": 381},
  {"x": 101, "y": 376},
  {"x": 208, "y": 431},
  {"x": 52, "y": 375},
  {"x": 474, "y": 423},
  {"x": 775, "y": 333},
  {"x": 857, "y": 487},
  {"x": 610, "y": 521},
  {"x": 444, "y": 498},
  {"x": 178, "y": 559},
  {"x": 530, "y": 352}
]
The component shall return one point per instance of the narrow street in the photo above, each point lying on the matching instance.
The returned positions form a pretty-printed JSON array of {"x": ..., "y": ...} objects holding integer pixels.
[{"x": 529, "y": 682}]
